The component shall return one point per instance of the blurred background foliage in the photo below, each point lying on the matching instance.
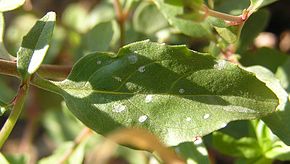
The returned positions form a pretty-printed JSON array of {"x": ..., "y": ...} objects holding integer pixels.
[{"x": 47, "y": 130}]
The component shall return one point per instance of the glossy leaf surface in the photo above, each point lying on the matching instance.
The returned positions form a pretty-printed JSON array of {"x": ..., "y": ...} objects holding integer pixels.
[
  {"x": 35, "y": 45},
  {"x": 172, "y": 91}
]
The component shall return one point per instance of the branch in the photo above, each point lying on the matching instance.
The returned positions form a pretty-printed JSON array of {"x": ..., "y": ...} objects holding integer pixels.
[
  {"x": 16, "y": 111},
  {"x": 234, "y": 20},
  {"x": 121, "y": 18},
  {"x": 46, "y": 71}
]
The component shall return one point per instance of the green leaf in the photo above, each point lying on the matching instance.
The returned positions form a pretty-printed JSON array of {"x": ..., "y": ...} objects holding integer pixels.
[
  {"x": 148, "y": 26},
  {"x": 271, "y": 82},
  {"x": 252, "y": 28},
  {"x": 7, "y": 5},
  {"x": 277, "y": 120},
  {"x": 172, "y": 91},
  {"x": 34, "y": 45},
  {"x": 283, "y": 74},
  {"x": 188, "y": 27},
  {"x": 61, "y": 125},
  {"x": 229, "y": 34},
  {"x": 267, "y": 57},
  {"x": 99, "y": 37},
  {"x": 193, "y": 152},
  {"x": 256, "y": 4},
  {"x": 245, "y": 147}
]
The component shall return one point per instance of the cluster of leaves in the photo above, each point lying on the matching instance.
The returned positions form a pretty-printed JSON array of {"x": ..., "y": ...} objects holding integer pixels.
[{"x": 177, "y": 94}]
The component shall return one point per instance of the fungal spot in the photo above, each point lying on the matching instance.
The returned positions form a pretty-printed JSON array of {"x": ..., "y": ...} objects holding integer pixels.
[
  {"x": 220, "y": 64},
  {"x": 148, "y": 98},
  {"x": 206, "y": 116},
  {"x": 188, "y": 119},
  {"x": 99, "y": 62},
  {"x": 197, "y": 140},
  {"x": 141, "y": 69},
  {"x": 132, "y": 59},
  {"x": 181, "y": 90},
  {"x": 142, "y": 118},
  {"x": 118, "y": 108},
  {"x": 118, "y": 78}
]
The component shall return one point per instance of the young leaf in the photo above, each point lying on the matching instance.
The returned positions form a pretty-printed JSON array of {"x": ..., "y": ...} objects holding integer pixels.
[
  {"x": 7, "y": 5},
  {"x": 188, "y": 27},
  {"x": 253, "y": 26},
  {"x": 174, "y": 92},
  {"x": 148, "y": 26},
  {"x": 34, "y": 45}
]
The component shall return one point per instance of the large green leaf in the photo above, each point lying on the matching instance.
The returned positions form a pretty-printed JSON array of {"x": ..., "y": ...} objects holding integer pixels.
[
  {"x": 172, "y": 91},
  {"x": 276, "y": 121},
  {"x": 35, "y": 45},
  {"x": 7, "y": 5}
]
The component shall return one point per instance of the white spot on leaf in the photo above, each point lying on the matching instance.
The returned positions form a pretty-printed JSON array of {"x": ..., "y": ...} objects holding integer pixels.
[
  {"x": 142, "y": 118},
  {"x": 197, "y": 141},
  {"x": 181, "y": 90},
  {"x": 141, "y": 69},
  {"x": 118, "y": 108},
  {"x": 99, "y": 62},
  {"x": 206, "y": 116},
  {"x": 132, "y": 59},
  {"x": 188, "y": 119},
  {"x": 118, "y": 78},
  {"x": 148, "y": 98}
]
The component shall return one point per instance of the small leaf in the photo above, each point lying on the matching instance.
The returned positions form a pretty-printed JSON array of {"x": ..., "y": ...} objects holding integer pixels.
[
  {"x": 7, "y": 5},
  {"x": 188, "y": 27},
  {"x": 252, "y": 28},
  {"x": 148, "y": 26},
  {"x": 99, "y": 37},
  {"x": 174, "y": 92},
  {"x": 229, "y": 34},
  {"x": 35, "y": 45}
]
